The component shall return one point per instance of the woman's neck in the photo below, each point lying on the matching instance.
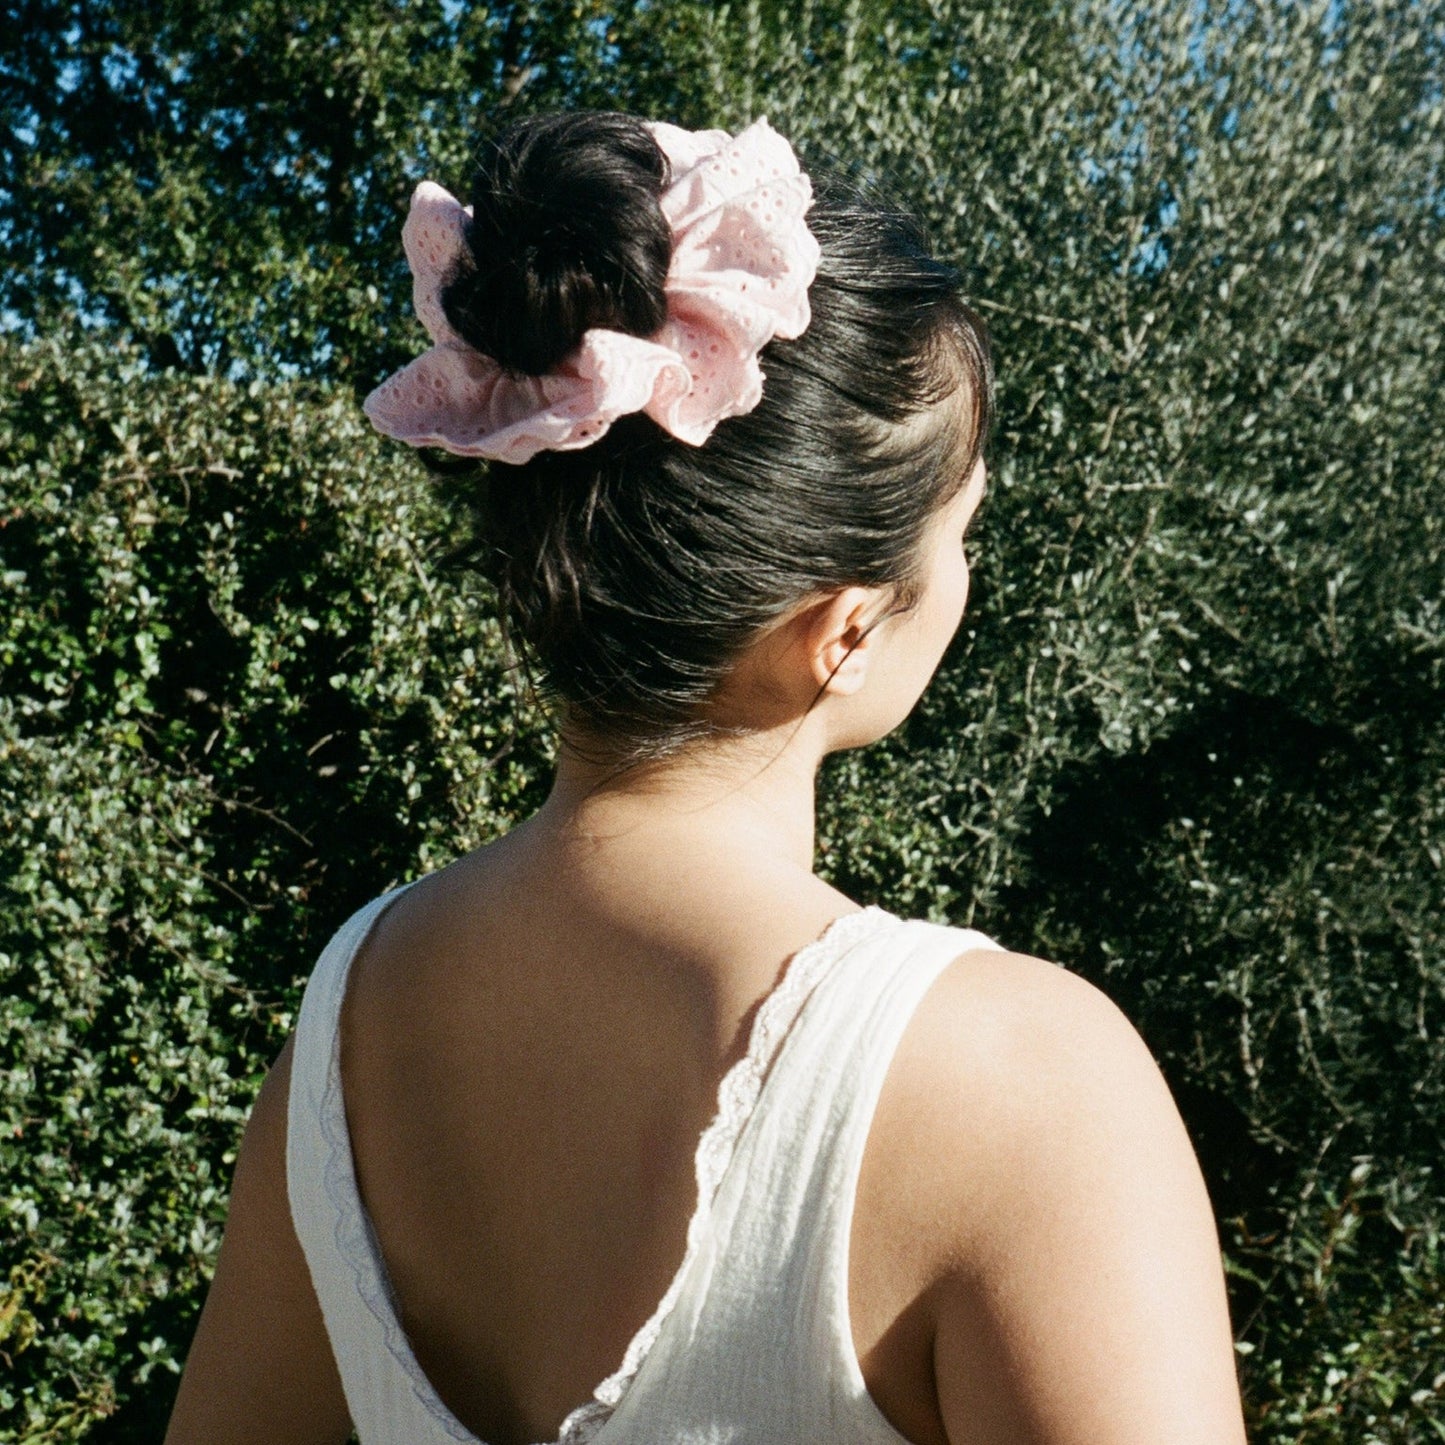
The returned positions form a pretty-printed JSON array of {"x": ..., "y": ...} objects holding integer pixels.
[{"x": 756, "y": 793}]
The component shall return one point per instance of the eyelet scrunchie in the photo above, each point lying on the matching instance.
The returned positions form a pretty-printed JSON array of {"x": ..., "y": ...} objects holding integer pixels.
[{"x": 742, "y": 261}]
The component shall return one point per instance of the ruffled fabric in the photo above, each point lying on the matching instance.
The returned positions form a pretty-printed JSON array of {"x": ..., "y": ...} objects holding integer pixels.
[{"x": 742, "y": 261}]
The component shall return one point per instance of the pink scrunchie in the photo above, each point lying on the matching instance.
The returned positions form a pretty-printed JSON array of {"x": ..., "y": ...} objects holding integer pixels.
[{"x": 742, "y": 261}]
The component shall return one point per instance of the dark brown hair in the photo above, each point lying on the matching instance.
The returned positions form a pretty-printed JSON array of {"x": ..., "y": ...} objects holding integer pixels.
[{"x": 632, "y": 573}]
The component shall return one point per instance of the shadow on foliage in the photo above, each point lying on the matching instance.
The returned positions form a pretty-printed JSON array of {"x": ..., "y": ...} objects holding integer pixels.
[{"x": 1135, "y": 839}]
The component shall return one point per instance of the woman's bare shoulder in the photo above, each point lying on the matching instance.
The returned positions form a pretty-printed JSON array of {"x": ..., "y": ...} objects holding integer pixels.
[
  {"x": 1071, "y": 1249},
  {"x": 1032, "y": 1041},
  {"x": 260, "y": 1366},
  {"x": 1005, "y": 1052}
]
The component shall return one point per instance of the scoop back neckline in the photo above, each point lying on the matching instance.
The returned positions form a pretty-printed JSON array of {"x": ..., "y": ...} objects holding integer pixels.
[{"x": 737, "y": 1096}]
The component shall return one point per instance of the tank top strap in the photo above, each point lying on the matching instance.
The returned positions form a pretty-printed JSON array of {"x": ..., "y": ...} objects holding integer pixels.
[
  {"x": 767, "y": 1304},
  {"x": 388, "y": 1396},
  {"x": 847, "y": 1046}
]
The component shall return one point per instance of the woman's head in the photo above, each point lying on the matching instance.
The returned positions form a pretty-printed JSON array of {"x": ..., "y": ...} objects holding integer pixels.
[{"x": 633, "y": 573}]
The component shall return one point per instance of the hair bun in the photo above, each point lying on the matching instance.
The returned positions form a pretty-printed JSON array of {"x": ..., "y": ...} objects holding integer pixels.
[{"x": 567, "y": 233}]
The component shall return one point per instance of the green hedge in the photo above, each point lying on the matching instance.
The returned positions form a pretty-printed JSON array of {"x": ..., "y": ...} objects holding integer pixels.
[
  {"x": 1190, "y": 741},
  {"x": 236, "y": 704}
]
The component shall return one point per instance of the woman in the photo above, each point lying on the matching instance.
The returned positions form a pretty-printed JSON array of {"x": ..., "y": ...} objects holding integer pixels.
[{"x": 630, "y": 1094}]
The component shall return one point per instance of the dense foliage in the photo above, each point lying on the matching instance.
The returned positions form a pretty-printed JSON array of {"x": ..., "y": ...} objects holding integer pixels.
[{"x": 1190, "y": 741}]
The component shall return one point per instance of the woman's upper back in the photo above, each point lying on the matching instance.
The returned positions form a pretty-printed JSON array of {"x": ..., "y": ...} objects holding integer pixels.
[{"x": 527, "y": 1081}]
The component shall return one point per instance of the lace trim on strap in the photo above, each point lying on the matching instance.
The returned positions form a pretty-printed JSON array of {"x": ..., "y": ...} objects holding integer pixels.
[{"x": 737, "y": 1097}]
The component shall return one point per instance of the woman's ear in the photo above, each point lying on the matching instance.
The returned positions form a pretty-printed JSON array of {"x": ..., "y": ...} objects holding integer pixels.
[
  {"x": 826, "y": 645},
  {"x": 837, "y": 636}
]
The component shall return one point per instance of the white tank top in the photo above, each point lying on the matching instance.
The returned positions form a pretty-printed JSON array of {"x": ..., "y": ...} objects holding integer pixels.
[{"x": 752, "y": 1341}]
